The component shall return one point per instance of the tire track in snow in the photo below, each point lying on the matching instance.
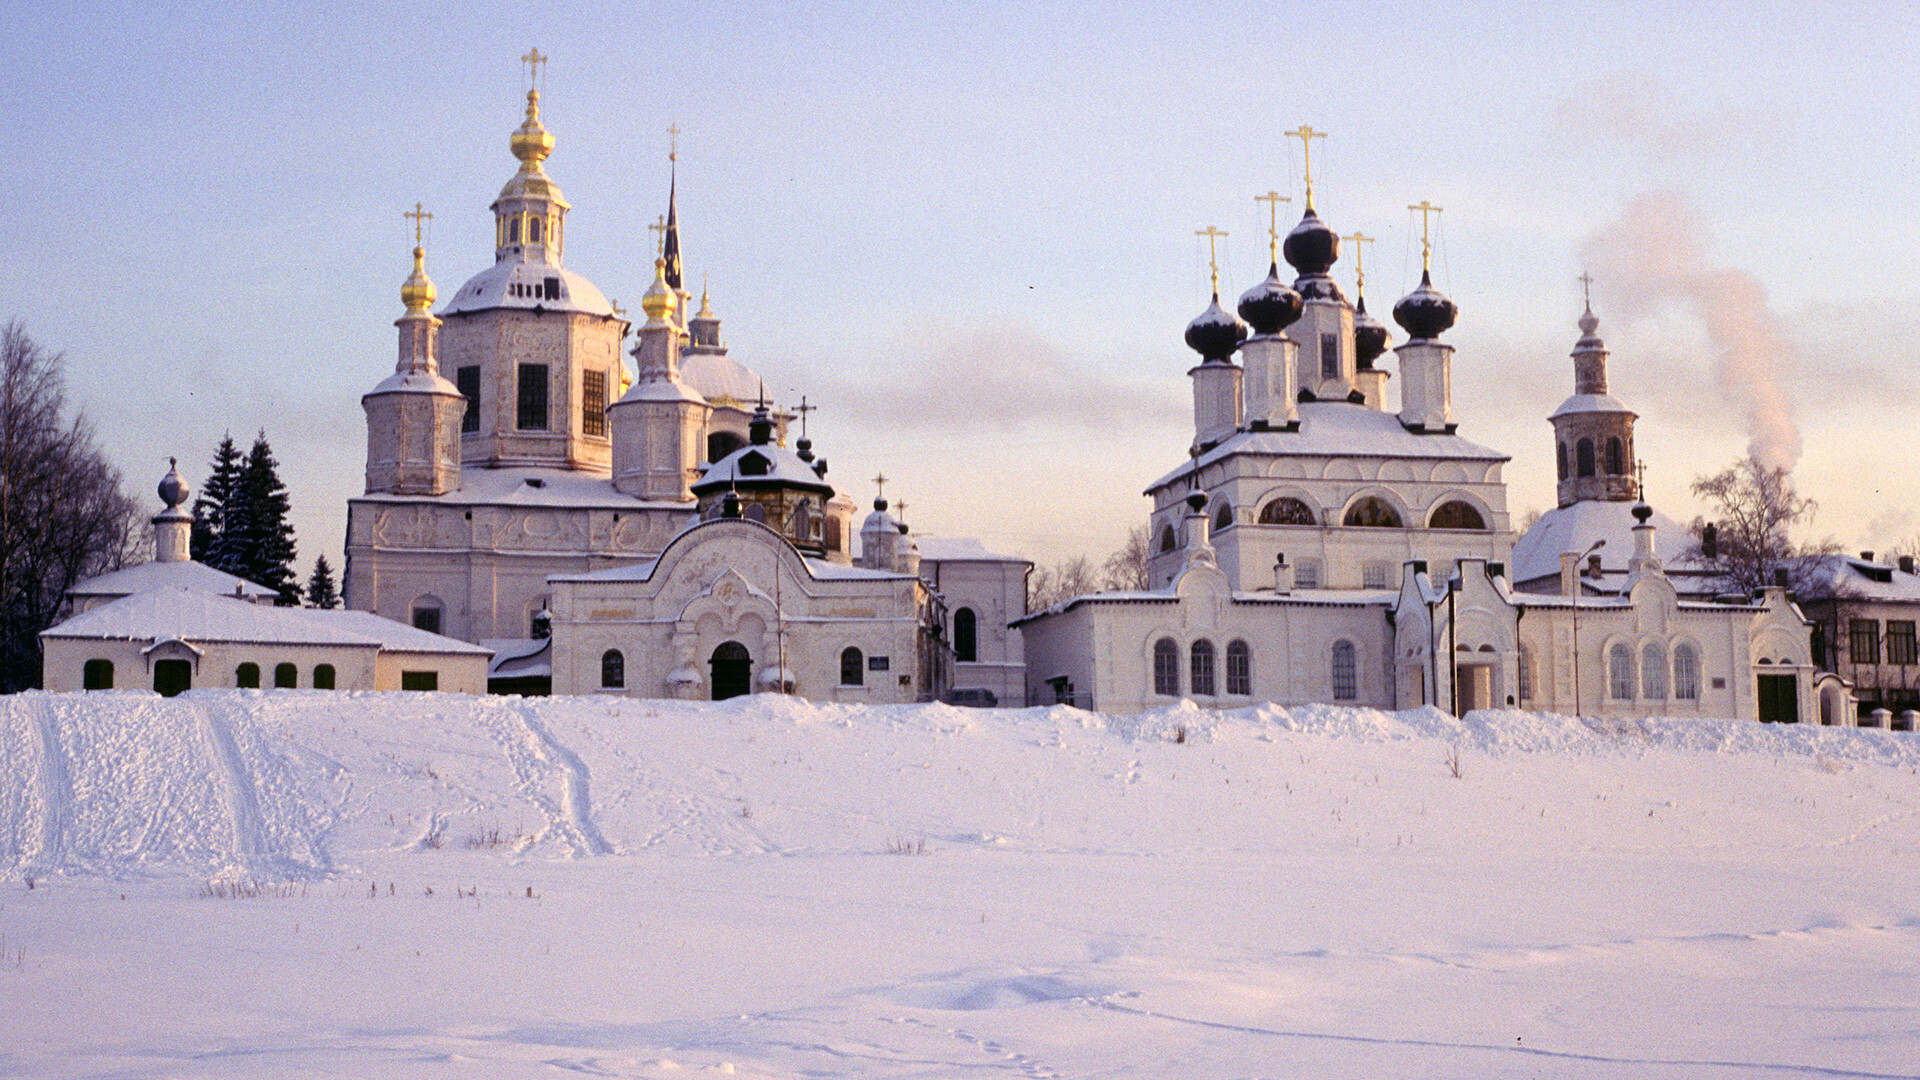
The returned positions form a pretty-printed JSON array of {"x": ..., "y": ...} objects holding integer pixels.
[
  {"x": 534, "y": 753},
  {"x": 236, "y": 788},
  {"x": 56, "y": 790},
  {"x": 1525, "y": 1051}
]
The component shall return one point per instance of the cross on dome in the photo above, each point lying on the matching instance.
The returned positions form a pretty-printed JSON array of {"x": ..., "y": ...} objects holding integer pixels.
[
  {"x": 1213, "y": 263},
  {"x": 1273, "y": 199},
  {"x": 1359, "y": 270},
  {"x": 803, "y": 409},
  {"x": 1306, "y": 135},
  {"x": 419, "y": 217},
  {"x": 533, "y": 60},
  {"x": 1426, "y": 242}
]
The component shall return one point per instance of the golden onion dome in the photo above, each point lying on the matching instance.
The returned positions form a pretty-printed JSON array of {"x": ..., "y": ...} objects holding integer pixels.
[
  {"x": 531, "y": 142},
  {"x": 418, "y": 292},
  {"x": 658, "y": 301}
]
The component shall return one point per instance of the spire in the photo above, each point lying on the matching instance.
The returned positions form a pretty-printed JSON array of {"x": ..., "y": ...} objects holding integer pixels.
[
  {"x": 670, "y": 249},
  {"x": 530, "y": 213}
]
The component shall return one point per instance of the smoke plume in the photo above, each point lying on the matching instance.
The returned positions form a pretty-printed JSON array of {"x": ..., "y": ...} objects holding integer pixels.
[{"x": 1655, "y": 256}]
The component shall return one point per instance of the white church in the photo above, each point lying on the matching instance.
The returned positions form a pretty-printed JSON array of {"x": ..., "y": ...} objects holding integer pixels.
[
  {"x": 1316, "y": 545},
  {"x": 650, "y": 536}
]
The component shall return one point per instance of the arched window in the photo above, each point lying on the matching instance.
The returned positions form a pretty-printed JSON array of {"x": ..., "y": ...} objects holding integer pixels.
[
  {"x": 1525, "y": 674},
  {"x": 1223, "y": 518},
  {"x": 1346, "y": 674},
  {"x": 96, "y": 675},
  {"x": 1561, "y": 456},
  {"x": 1373, "y": 512},
  {"x": 1456, "y": 514},
  {"x": 1583, "y": 452},
  {"x": 722, "y": 443},
  {"x": 1686, "y": 673},
  {"x": 1286, "y": 511},
  {"x": 533, "y": 230},
  {"x": 1167, "y": 540},
  {"x": 1616, "y": 457},
  {"x": 1653, "y": 671},
  {"x": 1620, "y": 672},
  {"x": 247, "y": 675},
  {"x": 802, "y": 524},
  {"x": 323, "y": 676},
  {"x": 853, "y": 667},
  {"x": 965, "y": 644},
  {"x": 1201, "y": 668},
  {"x": 513, "y": 230},
  {"x": 1239, "y": 668},
  {"x": 285, "y": 676},
  {"x": 613, "y": 669},
  {"x": 833, "y": 533},
  {"x": 1166, "y": 668}
]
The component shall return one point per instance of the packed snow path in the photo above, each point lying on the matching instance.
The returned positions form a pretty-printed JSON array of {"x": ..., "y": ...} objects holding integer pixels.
[{"x": 299, "y": 883}]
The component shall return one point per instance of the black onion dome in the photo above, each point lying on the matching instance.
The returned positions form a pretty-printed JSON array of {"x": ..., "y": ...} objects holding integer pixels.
[
  {"x": 1320, "y": 287},
  {"x": 1270, "y": 306},
  {"x": 1425, "y": 312},
  {"x": 1370, "y": 339},
  {"x": 1214, "y": 334},
  {"x": 1311, "y": 247}
]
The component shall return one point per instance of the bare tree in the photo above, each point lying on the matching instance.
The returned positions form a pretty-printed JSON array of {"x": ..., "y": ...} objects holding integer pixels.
[
  {"x": 63, "y": 516},
  {"x": 1747, "y": 541},
  {"x": 1125, "y": 569}
]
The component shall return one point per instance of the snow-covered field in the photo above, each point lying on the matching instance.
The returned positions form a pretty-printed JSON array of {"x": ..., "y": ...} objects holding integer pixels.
[{"x": 238, "y": 883}]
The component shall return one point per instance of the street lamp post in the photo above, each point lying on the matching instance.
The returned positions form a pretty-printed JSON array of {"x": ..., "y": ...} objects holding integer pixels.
[{"x": 1597, "y": 545}]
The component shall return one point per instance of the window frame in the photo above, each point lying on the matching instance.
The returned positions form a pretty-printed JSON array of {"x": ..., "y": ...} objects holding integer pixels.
[
  {"x": 1201, "y": 668},
  {"x": 1166, "y": 668},
  {"x": 1239, "y": 668}
]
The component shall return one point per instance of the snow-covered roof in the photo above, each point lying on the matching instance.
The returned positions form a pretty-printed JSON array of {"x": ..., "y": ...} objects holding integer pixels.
[
  {"x": 1591, "y": 403},
  {"x": 1339, "y": 429},
  {"x": 519, "y": 658},
  {"x": 1302, "y": 597},
  {"x": 1842, "y": 576},
  {"x": 531, "y": 486},
  {"x": 186, "y": 615},
  {"x": 762, "y": 464},
  {"x": 414, "y": 382},
  {"x": 522, "y": 283},
  {"x": 820, "y": 569},
  {"x": 960, "y": 549},
  {"x": 192, "y": 576},
  {"x": 1574, "y": 528},
  {"x": 720, "y": 377}
]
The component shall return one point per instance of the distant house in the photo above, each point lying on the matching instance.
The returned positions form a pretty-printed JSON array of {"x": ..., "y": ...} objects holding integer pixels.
[
  {"x": 173, "y": 624},
  {"x": 1864, "y": 615}
]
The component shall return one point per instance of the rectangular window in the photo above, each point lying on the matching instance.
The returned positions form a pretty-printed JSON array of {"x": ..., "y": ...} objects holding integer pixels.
[
  {"x": 419, "y": 680},
  {"x": 533, "y": 397},
  {"x": 467, "y": 381},
  {"x": 552, "y": 286},
  {"x": 1902, "y": 647},
  {"x": 1346, "y": 674},
  {"x": 427, "y": 618},
  {"x": 1307, "y": 574},
  {"x": 1329, "y": 356},
  {"x": 593, "y": 403},
  {"x": 1863, "y": 641},
  {"x": 879, "y": 663},
  {"x": 1239, "y": 669},
  {"x": 1376, "y": 575}
]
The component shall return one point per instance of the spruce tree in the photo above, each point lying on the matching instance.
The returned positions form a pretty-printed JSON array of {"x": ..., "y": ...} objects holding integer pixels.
[
  {"x": 257, "y": 536},
  {"x": 320, "y": 590},
  {"x": 209, "y": 509}
]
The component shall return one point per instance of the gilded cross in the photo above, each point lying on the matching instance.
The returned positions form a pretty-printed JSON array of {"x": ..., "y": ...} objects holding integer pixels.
[
  {"x": 1213, "y": 264},
  {"x": 533, "y": 60},
  {"x": 1306, "y": 135},
  {"x": 660, "y": 237},
  {"x": 673, "y": 141},
  {"x": 1426, "y": 209},
  {"x": 1273, "y": 199},
  {"x": 617, "y": 309},
  {"x": 419, "y": 216},
  {"x": 1359, "y": 269}
]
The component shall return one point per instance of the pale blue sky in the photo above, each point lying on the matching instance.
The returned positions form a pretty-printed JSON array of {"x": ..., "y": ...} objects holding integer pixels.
[{"x": 968, "y": 234}]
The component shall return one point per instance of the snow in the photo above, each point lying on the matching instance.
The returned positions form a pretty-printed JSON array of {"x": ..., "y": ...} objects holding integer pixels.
[
  {"x": 183, "y": 574},
  {"x": 299, "y": 883},
  {"x": 1536, "y": 554},
  {"x": 1340, "y": 429}
]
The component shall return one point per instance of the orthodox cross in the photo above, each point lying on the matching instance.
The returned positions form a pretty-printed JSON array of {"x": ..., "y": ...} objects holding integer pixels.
[
  {"x": 901, "y": 506},
  {"x": 533, "y": 60},
  {"x": 803, "y": 409},
  {"x": 659, "y": 229},
  {"x": 1306, "y": 135},
  {"x": 617, "y": 309},
  {"x": 1640, "y": 479},
  {"x": 1213, "y": 265},
  {"x": 419, "y": 216},
  {"x": 1586, "y": 286},
  {"x": 673, "y": 141},
  {"x": 1426, "y": 209},
  {"x": 1359, "y": 272},
  {"x": 1273, "y": 199},
  {"x": 880, "y": 485}
]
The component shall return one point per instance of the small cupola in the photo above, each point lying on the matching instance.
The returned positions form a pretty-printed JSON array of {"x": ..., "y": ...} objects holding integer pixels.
[
  {"x": 1215, "y": 333},
  {"x": 1425, "y": 313},
  {"x": 1272, "y": 305}
]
